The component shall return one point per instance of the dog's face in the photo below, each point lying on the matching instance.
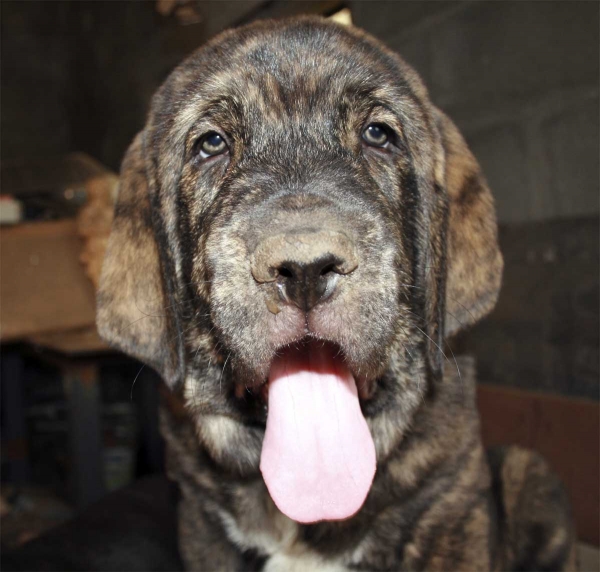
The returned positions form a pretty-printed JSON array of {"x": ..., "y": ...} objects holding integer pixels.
[{"x": 294, "y": 183}]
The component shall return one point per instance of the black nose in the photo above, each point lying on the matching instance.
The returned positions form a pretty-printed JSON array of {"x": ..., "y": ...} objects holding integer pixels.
[
  {"x": 304, "y": 266},
  {"x": 307, "y": 284}
]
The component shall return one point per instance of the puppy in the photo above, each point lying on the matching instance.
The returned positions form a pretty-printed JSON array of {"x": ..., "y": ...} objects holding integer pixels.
[{"x": 297, "y": 231}]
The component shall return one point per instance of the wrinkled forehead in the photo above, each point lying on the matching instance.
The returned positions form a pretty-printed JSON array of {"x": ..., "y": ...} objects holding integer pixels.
[
  {"x": 305, "y": 62},
  {"x": 302, "y": 70}
]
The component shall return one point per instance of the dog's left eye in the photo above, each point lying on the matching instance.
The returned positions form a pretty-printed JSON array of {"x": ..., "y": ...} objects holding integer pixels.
[
  {"x": 376, "y": 135},
  {"x": 210, "y": 145}
]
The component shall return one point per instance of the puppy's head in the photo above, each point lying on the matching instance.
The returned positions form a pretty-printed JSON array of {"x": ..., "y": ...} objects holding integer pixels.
[{"x": 294, "y": 184}]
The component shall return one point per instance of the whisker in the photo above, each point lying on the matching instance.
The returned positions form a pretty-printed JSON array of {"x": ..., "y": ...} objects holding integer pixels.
[
  {"x": 420, "y": 376},
  {"x": 223, "y": 370},
  {"x": 135, "y": 379},
  {"x": 442, "y": 351},
  {"x": 451, "y": 298},
  {"x": 131, "y": 324},
  {"x": 157, "y": 315}
]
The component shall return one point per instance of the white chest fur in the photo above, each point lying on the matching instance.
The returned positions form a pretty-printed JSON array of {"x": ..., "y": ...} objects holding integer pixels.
[{"x": 276, "y": 536}]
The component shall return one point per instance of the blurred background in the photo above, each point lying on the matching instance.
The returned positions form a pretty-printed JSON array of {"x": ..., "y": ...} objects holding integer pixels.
[{"x": 520, "y": 79}]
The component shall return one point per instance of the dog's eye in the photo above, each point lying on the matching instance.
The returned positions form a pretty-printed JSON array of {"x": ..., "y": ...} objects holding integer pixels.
[
  {"x": 210, "y": 145},
  {"x": 376, "y": 135}
]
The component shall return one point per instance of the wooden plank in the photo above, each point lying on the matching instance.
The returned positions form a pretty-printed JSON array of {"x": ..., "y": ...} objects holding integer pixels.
[
  {"x": 566, "y": 431},
  {"x": 43, "y": 284},
  {"x": 71, "y": 342}
]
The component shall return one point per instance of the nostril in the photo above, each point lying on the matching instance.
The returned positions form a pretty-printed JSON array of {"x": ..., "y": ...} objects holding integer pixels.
[
  {"x": 285, "y": 272},
  {"x": 328, "y": 269}
]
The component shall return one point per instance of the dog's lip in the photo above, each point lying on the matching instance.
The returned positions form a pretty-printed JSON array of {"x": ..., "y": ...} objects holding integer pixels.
[{"x": 365, "y": 386}]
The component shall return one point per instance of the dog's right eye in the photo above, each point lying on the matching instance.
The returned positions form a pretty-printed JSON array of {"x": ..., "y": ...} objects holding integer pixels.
[{"x": 210, "y": 145}]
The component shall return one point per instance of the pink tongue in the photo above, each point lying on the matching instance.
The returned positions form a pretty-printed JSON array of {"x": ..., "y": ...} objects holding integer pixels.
[{"x": 318, "y": 457}]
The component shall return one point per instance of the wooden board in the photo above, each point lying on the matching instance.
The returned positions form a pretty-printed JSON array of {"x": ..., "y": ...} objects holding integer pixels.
[
  {"x": 43, "y": 284},
  {"x": 566, "y": 431},
  {"x": 71, "y": 342}
]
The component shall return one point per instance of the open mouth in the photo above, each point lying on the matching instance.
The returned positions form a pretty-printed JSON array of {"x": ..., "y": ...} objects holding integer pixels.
[
  {"x": 301, "y": 352},
  {"x": 318, "y": 456}
]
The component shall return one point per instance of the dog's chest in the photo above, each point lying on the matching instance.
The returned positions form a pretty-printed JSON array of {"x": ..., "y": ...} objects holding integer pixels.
[
  {"x": 301, "y": 563},
  {"x": 259, "y": 527}
]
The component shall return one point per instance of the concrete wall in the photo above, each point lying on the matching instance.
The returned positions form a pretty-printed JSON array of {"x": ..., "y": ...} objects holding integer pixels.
[
  {"x": 521, "y": 81},
  {"x": 544, "y": 332},
  {"x": 78, "y": 76}
]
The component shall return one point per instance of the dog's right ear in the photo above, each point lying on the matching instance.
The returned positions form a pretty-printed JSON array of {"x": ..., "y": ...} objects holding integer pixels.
[
  {"x": 474, "y": 261},
  {"x": 132, "y": 307}
]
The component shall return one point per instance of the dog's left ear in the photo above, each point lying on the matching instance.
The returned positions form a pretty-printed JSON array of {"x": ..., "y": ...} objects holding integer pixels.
[
  {"x": 133, "y": 312},
  {"x": 473, "y": 260}
]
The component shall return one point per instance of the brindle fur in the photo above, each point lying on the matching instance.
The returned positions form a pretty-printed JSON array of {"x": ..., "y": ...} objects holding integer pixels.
[{"x": 177, "y": 292}]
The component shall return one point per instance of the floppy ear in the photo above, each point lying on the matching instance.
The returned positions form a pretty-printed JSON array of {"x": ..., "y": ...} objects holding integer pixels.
[
  {"x": 132, "y": 307},
  {"x": 473, "y": 260}
]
